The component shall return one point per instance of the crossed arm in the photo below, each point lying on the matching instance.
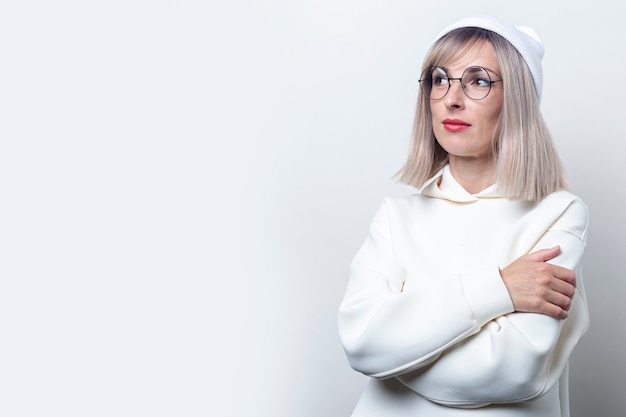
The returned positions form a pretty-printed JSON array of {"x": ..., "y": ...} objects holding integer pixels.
[{"x": 441, "y": 343}]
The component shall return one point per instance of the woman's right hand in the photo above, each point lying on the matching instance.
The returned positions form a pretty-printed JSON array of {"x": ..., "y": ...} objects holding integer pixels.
[{"x": 536, "y": 286}]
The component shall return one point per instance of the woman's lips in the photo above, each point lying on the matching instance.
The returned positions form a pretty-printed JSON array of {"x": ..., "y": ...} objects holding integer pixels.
[{"x": 455, "y": 125}]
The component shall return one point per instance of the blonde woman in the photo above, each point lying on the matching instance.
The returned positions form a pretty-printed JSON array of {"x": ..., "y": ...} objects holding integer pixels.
[{"x": 466, "y": 299}]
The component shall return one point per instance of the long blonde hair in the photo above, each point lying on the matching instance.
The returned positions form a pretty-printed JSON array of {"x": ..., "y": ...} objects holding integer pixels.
[{"x": 528, "y": 166}]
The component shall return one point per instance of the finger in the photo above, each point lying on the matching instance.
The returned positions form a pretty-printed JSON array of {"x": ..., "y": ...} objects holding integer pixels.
[
  {"x": 564, "y": 288},
  {"x": 561, "y": 314},
  {"x": 553, "y": 310},
  {"x": 563, "y": 302},
  {"x": 563, "y": 274},
  {"x": 544, "y": 255}
]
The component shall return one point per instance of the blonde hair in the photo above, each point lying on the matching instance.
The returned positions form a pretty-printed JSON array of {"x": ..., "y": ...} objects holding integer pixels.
[{"x": 528, "y": 166}]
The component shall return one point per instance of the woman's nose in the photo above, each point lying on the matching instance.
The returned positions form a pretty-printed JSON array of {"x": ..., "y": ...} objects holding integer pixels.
[{"x": 456, "y": 95}]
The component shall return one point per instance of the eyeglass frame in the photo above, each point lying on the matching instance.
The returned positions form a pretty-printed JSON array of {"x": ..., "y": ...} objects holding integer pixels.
[{"x": 450, "y": 79}]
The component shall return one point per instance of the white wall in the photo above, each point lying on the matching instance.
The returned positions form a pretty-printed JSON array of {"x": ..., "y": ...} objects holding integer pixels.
[{"x": 184, "y": 184}]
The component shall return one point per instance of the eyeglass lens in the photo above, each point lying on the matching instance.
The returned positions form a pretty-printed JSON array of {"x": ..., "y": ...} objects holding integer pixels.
[{"x": 475, "y": 81}]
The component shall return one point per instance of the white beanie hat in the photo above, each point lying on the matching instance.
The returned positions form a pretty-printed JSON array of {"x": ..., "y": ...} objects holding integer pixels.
[{"x": 523, "y": 38}]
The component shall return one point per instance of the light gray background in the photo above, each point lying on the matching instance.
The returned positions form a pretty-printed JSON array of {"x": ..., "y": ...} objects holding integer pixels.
[{"x": 183, "y": 185}]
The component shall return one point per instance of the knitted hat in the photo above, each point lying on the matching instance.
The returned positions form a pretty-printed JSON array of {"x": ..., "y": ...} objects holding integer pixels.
[{"x": 523, "y": 38}]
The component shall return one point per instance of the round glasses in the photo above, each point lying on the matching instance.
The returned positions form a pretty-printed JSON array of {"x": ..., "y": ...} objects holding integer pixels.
[{"x": 475, "y": 82}]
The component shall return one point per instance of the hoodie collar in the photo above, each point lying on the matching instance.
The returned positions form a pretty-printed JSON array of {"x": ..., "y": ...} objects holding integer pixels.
[{"x": 444, "y": 185}]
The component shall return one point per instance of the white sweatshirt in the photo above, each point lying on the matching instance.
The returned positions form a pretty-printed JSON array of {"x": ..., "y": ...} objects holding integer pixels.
[{"x": 427, "y": 315}]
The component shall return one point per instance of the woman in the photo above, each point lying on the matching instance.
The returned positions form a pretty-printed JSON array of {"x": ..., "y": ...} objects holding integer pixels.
[{"x": 467, "y": 299}]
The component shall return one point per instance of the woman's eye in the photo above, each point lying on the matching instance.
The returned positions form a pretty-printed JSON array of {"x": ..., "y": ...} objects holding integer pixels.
[
  {"x": 481, "y": 82},
  {"x": 439, "y": 80},
  {"x": 478, "y": 82}
]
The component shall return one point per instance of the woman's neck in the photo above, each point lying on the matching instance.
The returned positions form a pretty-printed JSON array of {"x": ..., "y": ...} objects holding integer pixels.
[{"x": 473, "y": 174}]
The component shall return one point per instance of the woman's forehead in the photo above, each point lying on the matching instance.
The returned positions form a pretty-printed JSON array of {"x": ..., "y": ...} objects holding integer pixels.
[{"x": 481, "y": 54}]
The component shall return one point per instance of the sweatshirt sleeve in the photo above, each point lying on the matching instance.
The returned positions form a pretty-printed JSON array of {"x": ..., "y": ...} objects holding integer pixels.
[
  {"x": 519, "y": 356},
  {"x": 377, "y": 319}
]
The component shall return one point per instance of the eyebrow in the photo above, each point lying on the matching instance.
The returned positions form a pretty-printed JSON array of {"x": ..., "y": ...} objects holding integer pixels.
[
  {"x": 447, "y": 70},
  {"x": 494, "y": 72}
]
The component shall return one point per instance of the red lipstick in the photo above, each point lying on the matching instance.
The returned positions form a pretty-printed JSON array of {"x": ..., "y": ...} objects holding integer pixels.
[{"x": 455, "y": 125}]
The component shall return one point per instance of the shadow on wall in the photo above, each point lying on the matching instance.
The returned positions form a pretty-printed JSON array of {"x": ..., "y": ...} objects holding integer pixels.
[{"x": 597, "y": 374}]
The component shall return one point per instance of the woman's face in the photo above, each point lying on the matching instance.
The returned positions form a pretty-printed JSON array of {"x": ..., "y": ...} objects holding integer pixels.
[{"x": 464, "y": 127}]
